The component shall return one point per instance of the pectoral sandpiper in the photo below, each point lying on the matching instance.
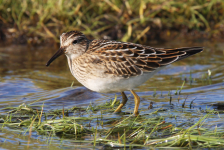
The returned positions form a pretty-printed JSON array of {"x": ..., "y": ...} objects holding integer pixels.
[{"x": 110, "y": 66}]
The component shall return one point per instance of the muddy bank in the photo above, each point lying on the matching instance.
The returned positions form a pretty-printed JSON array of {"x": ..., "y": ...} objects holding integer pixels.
[{"x": 42, "y": 22}]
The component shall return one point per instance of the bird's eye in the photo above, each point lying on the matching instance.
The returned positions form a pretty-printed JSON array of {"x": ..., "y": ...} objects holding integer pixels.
[{"x": 75, "y": 42}]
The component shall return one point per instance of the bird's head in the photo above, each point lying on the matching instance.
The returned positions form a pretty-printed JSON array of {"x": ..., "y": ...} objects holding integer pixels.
[{"x": 73, "y": 45}]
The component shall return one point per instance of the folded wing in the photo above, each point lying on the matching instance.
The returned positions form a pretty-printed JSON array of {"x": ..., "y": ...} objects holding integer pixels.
[{"x": 129, "y": 59}]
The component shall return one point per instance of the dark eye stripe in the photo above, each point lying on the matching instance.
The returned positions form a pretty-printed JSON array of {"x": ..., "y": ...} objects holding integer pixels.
[
  {"x": 75, "y": 42},
  {"x": 78, "y": 40}
]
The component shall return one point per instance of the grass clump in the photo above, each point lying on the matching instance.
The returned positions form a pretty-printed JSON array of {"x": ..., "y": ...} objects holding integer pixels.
[
  {"x": 40, "y": 21},
  {"x": 45, "y": 123},
  {"x": 98, "y": 126}
]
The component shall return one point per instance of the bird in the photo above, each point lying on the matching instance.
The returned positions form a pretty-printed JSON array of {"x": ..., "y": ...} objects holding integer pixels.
[{"x": 109, "y": 66}]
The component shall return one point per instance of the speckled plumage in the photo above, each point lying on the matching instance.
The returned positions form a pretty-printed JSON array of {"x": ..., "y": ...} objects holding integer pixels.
[{"x": 112, "y": 66}]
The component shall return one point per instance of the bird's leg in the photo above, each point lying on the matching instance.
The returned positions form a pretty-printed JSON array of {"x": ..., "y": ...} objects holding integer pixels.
[
  {"x": 124, "y": 100},
  {"x": 137, "y": 102}
]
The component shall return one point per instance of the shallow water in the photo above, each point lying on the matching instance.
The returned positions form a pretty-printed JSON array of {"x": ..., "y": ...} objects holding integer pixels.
[{"x": 24, "y": 78}]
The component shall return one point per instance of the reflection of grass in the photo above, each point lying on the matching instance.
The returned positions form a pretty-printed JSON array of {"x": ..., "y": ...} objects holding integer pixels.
[
  {"x": 125, "y": 20},
  {"x": 96, "y": 124}
]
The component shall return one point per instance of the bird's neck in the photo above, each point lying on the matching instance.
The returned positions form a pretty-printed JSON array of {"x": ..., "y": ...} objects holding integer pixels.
[{"x": 70, "y": 64}]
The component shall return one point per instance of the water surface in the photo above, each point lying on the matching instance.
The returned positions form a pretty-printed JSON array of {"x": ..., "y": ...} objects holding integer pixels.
[{"x": 24, "y": 78}]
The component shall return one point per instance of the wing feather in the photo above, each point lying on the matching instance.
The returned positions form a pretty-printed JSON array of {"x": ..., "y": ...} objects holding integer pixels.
[{"x": 129, "y": 59}]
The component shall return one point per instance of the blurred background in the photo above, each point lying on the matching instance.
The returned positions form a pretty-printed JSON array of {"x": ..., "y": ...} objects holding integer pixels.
[
  {"x": 36, "y": 22},
  {"x": 29, "y": 36}
]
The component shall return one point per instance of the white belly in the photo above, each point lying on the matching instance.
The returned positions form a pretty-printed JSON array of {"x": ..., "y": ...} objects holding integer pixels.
[{"x": 117, "y": 84}]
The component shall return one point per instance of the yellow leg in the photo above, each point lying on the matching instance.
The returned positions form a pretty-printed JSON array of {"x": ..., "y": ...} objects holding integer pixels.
[
  {"x": 124, "y": 100},
  {"x": 137, "y": 102}
]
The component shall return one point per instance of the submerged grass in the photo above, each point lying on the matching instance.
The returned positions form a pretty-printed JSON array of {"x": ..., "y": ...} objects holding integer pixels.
[
  {"x": 39, "y": 21},
  {"x": 111, "y": 130}
]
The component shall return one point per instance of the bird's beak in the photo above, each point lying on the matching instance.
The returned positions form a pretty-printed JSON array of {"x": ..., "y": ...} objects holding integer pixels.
[{"x": 56, "y": 55}]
